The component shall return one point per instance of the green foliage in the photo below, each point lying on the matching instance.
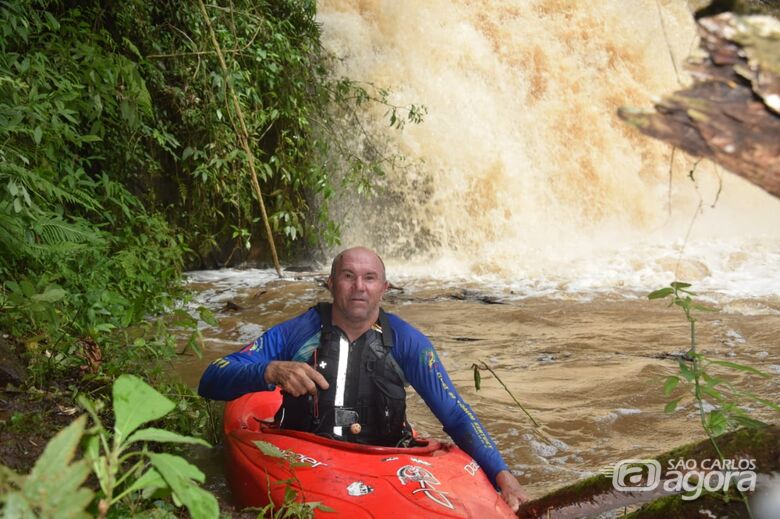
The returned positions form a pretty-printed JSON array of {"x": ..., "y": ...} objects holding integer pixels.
[
  {"x": 125, "y": 469},
  {"x": 292, "y": 507},
  {"x": 118, "y": 154},
  {"x": 82, "y": 256},
  {"x": 193, "y": 414},
  {"x": 53, "y": 489},
  {"x": 302, "y": 122},
  {"x": 697, "y": 371}
]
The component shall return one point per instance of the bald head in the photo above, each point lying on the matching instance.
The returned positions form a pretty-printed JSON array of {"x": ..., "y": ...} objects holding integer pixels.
[
  {"x": 357, "y": 283},
  {"x": 356, "y": 251}
]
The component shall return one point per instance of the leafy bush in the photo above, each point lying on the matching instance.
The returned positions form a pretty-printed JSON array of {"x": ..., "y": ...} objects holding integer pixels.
[
  {"x": 125, "y": 469},
  {"x": 118, "y": 153}
]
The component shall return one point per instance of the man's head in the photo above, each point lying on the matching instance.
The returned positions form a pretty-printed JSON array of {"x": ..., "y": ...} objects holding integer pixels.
[{"x": 357, "y": 282}]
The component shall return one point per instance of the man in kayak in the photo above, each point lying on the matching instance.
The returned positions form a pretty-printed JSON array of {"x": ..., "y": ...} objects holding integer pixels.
[{"x": 342, "y": 370}]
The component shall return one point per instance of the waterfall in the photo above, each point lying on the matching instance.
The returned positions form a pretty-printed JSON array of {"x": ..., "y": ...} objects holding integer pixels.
[{"x": 521, "y": 174}]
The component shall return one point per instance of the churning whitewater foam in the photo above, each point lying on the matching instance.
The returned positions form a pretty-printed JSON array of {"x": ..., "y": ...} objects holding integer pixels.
[{"x": 522, "y": 174}]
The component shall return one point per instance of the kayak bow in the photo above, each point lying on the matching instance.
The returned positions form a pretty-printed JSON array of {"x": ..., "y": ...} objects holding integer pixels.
[{"x": 433, "y": 479}]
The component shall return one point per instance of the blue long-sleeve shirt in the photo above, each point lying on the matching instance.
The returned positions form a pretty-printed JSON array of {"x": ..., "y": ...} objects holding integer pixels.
[{"x": 243, "y": 372}]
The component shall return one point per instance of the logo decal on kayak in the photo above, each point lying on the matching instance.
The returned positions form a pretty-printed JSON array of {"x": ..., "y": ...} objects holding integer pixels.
[
  {"x": 302, "y": 458},
  {"x": 427, "y": 481},
  {"x": 471, "y": 468},
  {"x": 358, "y": 488},
  {"x": 392, "y": 458},
  {"x": 421, "y": 462}
]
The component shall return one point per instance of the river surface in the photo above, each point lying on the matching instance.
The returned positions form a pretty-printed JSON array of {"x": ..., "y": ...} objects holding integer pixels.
[{"x": 589, "y": 368}]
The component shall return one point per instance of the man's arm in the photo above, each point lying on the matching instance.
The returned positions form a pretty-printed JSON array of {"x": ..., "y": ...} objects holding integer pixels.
[
  {"x": 247, "y": 370},
  {"x": 422, "y": 368}
]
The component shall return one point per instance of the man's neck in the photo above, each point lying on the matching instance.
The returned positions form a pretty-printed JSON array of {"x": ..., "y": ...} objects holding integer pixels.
[{"x": 353, "y": 330}]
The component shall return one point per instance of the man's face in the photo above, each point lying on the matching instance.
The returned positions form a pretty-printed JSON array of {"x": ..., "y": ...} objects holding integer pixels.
[{"x": 357, "y": 285}]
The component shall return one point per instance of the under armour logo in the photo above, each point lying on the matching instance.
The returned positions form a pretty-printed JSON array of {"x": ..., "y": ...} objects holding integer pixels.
[{"x": 323, "y": 364}]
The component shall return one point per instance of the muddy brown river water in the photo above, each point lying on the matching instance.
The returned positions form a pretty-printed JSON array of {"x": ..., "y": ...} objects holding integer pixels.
[{"x": 589, "y": 369}]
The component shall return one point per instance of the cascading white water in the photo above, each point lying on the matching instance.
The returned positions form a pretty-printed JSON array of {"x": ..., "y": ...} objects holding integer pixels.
[{"x": 523, "y": 176}]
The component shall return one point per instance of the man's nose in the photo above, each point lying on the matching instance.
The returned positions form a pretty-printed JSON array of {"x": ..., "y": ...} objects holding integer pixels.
[{"x": 360, "y": 283}]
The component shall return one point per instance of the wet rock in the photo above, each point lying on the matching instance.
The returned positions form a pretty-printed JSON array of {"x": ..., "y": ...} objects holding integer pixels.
[
  {"x": 230, "y": 306},
  {"x": 12, "y": 370},
  {"x": 687, "y": 269},
  {"x": 546, "y": 358},
  {"x": 300, "y": 268}
]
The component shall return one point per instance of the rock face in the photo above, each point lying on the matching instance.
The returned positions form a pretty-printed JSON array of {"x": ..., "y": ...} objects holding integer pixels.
[
  {"x": 11, "y": 368},
  {"x": 731, "y": 114}
]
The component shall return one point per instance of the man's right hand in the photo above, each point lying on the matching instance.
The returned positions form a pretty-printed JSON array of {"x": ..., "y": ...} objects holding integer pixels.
[{"x": 295, "y": 378}]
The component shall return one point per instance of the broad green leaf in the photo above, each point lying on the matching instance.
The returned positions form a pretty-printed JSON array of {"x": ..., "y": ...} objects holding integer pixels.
[
  {"x": 740, "y": 367},
  {"x": 318, "y": 505},
  {"x": 686, "y": 372},
  {"x": 717, "y": 423},
  {"x": 670, "y": 385},
  {"x": 170, "y": 464},
  {"x": 60, "y": 449},
  {"x": 703, "y": 308},
  {"x": 54, "y": 484},
  {"x": 762, "y": 401},
  {"x": 50, "y": 295},
  {"x": 671, "y": 406},
  {"x": 660, "y": 294},
  {"x": 270, "y": 449},
  {"x": 712, "y": 392},
  {"x": 135, "y": 403},
  {"x": 179, "y": 474},
  {"x": 149, "y": 482},
  {"x": 748, "y": 422},
  {"x": 679, "y": 284},
  {"x": 161, "y": 435},
  {"x": 132, "y": 47},
  {"x": 207, "y": 316},
  {"x": 37, "y": 135},
  {"x": 477, "y": 378},
  {"x": 17, "y": 507}
]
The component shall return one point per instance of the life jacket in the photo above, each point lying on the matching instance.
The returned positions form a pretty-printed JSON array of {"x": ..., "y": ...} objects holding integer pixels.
[{"x": 366, "y": 387}]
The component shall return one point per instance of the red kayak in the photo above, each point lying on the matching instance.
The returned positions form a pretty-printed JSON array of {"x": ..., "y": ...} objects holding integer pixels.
[{"x": 434, "y": 479}]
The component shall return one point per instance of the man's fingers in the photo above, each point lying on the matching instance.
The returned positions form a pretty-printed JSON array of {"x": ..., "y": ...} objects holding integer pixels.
[
  {"x": 512, "y": 501},
  {"x": 295, "y": 378},
  {"x": 317, "y": 377},
  {"x": 511, "y": 490}
]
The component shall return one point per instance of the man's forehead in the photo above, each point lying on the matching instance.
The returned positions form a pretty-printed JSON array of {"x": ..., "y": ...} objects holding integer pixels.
[
  {"x": 362, "y": 264},
  {"x": 360, "y": 260}
]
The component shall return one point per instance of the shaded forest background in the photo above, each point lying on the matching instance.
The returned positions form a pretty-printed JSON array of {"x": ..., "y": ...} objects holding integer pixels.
[{"x": 120, "y": 164}]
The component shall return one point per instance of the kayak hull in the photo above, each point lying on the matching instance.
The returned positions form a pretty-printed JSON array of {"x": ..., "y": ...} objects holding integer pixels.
[{"x": 433, "y": 480}]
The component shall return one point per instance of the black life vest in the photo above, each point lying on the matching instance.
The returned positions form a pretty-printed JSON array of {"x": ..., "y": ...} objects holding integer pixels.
[{"x": 370, "y": 393}]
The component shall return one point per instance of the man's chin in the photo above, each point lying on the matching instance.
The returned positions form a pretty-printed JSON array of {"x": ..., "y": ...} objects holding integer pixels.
[{"x": 358, "y": 315}]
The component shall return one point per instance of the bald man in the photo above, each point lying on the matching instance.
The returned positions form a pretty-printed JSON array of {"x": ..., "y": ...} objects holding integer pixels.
[{"x": 343, "y": 368}]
